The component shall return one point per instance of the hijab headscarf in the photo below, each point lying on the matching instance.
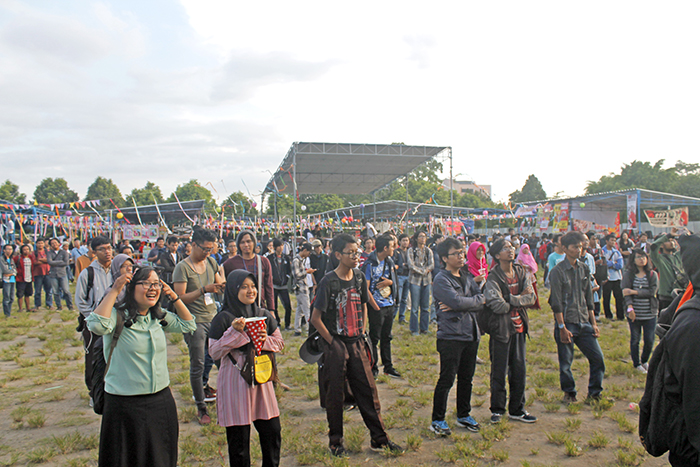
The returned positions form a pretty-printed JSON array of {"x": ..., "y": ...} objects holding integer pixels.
[
  {"x": 475, "y": 264},
  {"x": 115, "y": 268},
  {"x": 233, "y": 308},
  {"x": 525, "y": 258}
]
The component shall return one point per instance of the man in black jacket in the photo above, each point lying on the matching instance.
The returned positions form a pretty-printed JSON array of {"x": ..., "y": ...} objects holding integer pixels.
[
  {"x": 508, "y": 292},
  {"x": 457, "y": 298},
  {"x": 683, "y": 348}
]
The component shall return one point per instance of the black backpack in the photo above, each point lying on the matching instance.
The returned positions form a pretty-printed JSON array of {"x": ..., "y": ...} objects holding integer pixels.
[
  {"x": 100, "y": 367},
  {"x": 661, "y": 422},
  {"x": 88, "y": 288}
]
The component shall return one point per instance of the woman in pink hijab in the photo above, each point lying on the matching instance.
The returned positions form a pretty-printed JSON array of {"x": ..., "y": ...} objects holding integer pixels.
[
  {"x": 476, "y": 262},
  {"x": 527, "y": 261}
]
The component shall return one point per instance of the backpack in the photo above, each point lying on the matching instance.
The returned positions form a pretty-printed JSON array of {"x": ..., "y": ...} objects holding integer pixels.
[
  {"x": 100, "y": 367},
  {"x": 88, "y": 288},
  {"x": 661, "y": 423},
  {"x": 334, "y": 288}
]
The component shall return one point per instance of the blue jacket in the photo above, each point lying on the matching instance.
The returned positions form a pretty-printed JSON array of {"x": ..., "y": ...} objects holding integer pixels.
[
  {"x": 372, "y": 260},
  {"x": 459, "y": 324}
]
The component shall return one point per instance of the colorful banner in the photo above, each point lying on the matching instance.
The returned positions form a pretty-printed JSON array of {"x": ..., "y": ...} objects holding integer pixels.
[
  {"x": 148, "y": 233},
  {"x": 632, "y": 211},
  {"x": 671, "y": 218},
  {"x": 561, "y": 217}
]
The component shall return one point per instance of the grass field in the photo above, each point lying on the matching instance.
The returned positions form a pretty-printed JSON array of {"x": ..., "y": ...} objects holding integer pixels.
[{"x": 45, "y": 418}]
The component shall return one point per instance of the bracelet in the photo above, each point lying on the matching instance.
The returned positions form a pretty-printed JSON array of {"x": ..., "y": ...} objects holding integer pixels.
[{"x": 176, "y": 299}]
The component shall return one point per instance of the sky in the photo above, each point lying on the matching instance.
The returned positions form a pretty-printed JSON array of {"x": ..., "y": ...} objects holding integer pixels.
[{"x": 169, "y": 90}]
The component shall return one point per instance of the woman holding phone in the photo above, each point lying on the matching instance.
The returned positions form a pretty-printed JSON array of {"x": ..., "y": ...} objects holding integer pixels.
[{"x": 139, "y": 422}]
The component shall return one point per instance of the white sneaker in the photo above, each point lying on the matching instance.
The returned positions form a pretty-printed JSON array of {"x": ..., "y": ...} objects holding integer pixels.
[
  {"x": 642, "y": 369},
  {"x": 646, "y": 366}
]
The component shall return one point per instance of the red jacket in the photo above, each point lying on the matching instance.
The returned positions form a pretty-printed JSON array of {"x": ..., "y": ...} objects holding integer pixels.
[{"x": 19, "y": 262}]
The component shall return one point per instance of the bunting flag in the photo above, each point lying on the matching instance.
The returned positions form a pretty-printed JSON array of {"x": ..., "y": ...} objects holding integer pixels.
[
  {"x": 160, "y": 216},
  {"x": 137, "y": 212},
  {"x": 182, "y": 209}
]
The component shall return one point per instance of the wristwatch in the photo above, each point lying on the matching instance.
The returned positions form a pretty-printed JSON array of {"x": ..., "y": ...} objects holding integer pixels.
[{"x": 561, "y": 326}]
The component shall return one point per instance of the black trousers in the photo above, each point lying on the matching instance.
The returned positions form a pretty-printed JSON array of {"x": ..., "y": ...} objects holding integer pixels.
[
  {"x": 508, "y": 358},
  {"x": 380, "y": 323},
  {"x": 283, "y": 294},
  {"x": 349, "y": 360},
  {"x": 238, "y": 438},
  {"x": 457, "y": 358},
  {"x": 614, "y": 287}
]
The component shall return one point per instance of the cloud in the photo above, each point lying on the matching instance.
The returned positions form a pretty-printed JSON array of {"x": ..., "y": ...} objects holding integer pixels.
[
  {"x": 243, "y": 73},
  {"x": 421, "y": 48}
]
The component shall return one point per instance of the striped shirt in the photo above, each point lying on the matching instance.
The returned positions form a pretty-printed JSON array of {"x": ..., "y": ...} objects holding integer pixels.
[
  {"x": 238, "y": 403},
  {"x": 642, "y": 306}
]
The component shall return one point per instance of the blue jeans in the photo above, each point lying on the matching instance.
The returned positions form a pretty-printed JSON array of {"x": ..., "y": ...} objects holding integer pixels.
[
  {"x": 588, "y": 345},
  {"x": 8, "y": 294},
  {"x": 403, "y": 299},
  {"x": 420, "y": 296},
  {"x": 39, "y": 283},
  {"x": 636, "y": 327},
  {"x": 60, "y": 285}
]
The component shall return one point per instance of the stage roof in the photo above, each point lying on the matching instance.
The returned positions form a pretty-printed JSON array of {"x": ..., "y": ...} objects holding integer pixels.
[
  {"x": 353, "y": 169},
  {"x": 617, "y": 200}
]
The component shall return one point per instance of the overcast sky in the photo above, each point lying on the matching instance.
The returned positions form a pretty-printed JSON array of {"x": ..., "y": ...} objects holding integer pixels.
[{"x": 167, "y": 91}]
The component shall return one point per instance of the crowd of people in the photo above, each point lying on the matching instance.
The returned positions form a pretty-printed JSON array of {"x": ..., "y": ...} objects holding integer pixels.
[{"x": 349, "y": 293}]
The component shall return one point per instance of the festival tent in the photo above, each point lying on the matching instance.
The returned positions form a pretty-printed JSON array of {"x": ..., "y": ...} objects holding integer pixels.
[
  {"x": 170, "y": 213},
  {"x": 609, "y": 210}
]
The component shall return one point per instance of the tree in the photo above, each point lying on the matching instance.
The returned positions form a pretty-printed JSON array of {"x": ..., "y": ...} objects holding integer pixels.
[
  {"x": 10, "y": 192},
  {"x": 639, "y": 175},
  {"x": 104, "y": 188},
  {"x": 192, "y": 191},
  {"x": 144, "y": 196},
  {"x": 531, "y": 191},
  {"x": 54, "y": 191},
  {"x": 249, "y": 206}
]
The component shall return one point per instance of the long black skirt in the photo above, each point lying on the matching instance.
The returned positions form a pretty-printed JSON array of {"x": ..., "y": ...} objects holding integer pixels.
[{"x": 139, "y": 431}]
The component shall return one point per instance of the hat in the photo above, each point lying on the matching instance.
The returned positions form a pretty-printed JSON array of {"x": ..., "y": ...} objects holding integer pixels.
[
  {"x": 310, "y": 351},
  {"x": 316, "y": 242}
]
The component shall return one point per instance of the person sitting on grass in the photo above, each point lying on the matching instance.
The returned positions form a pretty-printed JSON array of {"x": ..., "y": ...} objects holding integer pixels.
[
  {"x": 340, "y": 317},
  {"x": 457, "y": 299},
  {"x": 508, "y": 293},
  {"x": 571, "y": 300}
]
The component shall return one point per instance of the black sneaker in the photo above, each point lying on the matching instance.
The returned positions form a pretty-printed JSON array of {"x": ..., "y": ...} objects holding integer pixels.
[
  {"x": 496, "y": 417},
  {"x": 569, "y": 398},
  {"x": 389, "y": 444},
  {"x": 523, "y": 417},
  {"x": 392, "y": 372},
  {"x": 338, "y": 451},
  {"x": 209, "y": 394}
]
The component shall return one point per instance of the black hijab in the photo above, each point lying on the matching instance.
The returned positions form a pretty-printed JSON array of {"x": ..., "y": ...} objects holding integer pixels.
[{"x": 233, "y": 308}]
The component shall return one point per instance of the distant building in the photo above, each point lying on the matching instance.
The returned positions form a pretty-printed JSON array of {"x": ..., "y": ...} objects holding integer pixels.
[{"x": 466, "y": 186}]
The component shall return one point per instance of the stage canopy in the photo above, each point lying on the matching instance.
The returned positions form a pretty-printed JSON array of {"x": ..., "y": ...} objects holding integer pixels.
[
  {"x": 617, "y": 200},
  {"x": 353, "y": 169}
]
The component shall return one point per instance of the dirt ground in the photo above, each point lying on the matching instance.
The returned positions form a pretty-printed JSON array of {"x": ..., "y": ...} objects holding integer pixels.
[{"x": 45, "y": 418}]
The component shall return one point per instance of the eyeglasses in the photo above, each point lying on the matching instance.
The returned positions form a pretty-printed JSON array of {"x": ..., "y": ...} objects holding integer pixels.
[
  {"x": 508, "y": 248},
  {"x": 352, "y": 254},
  {"x": 461, "y": 253},
  {"x": 103, "y": 249},
  {"x": 151, "y": 285},
  {"x": 205, "y": 250}
]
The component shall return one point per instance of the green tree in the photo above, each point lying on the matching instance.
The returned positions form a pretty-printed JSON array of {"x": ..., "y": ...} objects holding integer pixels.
[
  {"x": 144, "y": 196},
  {"x": 10, "y": 192},
  {"x": 236, "y": 199},
  {"x": 638, "y": 175},
  {"x": 531, "y": 191},
  {"x": 104, "y": 188},
  {"x": 192, "y": 191},
  {"x": 54, "y": 191},
  {"x": 285, "y": 205}
]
